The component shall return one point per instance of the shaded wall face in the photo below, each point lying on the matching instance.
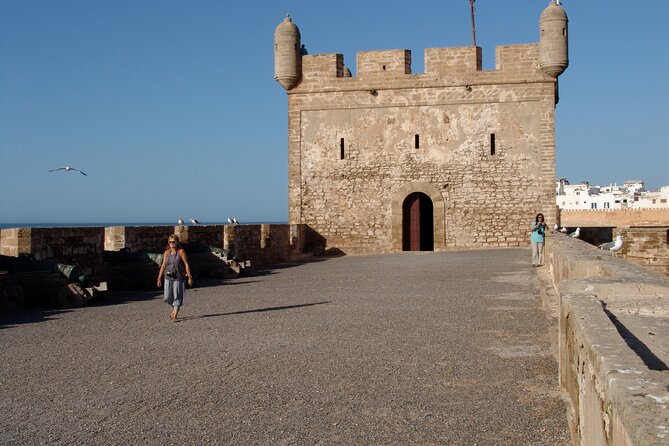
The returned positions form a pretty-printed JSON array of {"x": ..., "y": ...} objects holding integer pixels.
[
  {"x": 484, "y": 158},
  {"x": 81, "y": 245}
]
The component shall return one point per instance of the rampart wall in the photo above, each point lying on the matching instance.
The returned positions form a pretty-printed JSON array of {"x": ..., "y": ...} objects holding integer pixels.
[
  {"x": 614, "y": 217},
  {"x": 614, "y": 323},
  {"x": 645, "y": 232},
  {"x": 84, "y": 246}
]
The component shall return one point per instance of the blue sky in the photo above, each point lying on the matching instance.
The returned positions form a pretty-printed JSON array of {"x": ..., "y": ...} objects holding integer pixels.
[{"x": 171, "y": 108}]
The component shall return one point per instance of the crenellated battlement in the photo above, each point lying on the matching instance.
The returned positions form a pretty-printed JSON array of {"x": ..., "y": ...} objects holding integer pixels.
[
  {"x": 443, "y": 66},
  {"x": 385, "y": 63},
  {"x": 322, "y": 66},
  {"x": 457, "y": 60}
]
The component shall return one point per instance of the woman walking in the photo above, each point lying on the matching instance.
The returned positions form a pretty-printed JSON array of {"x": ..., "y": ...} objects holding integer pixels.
[{"x": 175, "y": 269}]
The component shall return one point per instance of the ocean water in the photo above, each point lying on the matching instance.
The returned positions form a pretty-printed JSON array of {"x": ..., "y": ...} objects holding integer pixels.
[{"x": 106, "y": 224}]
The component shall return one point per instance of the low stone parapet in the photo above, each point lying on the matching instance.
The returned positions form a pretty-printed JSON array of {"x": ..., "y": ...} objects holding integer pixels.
[
  {"x": 73, "y": 245},
  {"x": 137, "y": 238},
  {"x": 614, "y": 323}
]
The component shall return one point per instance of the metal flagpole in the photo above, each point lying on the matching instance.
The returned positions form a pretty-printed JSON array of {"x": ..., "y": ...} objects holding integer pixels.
[{"x": 471, "y": 4}]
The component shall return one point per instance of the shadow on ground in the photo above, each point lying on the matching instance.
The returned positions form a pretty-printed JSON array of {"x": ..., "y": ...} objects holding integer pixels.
[
  {"x": 33, "y": 314},
  {"x": 257, "y": 310}
]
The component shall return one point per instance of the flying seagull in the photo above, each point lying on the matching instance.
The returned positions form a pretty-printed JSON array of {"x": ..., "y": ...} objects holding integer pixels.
[
  {"x": 614, "y": 245},
  {"x": 68, "y": 169},
  {"x": 194, "y": 221},
  {"x": 576, "y": 233},
  {"x": 180, "y": 222}
]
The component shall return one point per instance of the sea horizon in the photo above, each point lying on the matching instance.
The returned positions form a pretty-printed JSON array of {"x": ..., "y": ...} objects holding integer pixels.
[{"x": 108, "y": 224}]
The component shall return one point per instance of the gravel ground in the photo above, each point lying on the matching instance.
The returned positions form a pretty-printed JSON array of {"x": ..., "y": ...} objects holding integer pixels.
[{"x": 412, "y": 348}]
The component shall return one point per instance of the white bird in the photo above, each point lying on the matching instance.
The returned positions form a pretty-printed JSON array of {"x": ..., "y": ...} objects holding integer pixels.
[
  {"x": 557, "y": 2},
  {"x": 556, "y": 227},
  {"x": 180, "y": 222},
  {"x": 68, "y": 169},
  {"x": 614, "y": 245},
  {"x": 234, "y": 220},
  {"x": 563, "y": 230},
  {"x": 194, "y": 221},
  {"x": 576, "y": 233},
  {"x": 230, "y": 220}
]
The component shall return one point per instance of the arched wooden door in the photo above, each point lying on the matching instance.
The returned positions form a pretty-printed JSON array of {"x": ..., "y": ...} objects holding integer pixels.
[{"x": 417, "y": 223}]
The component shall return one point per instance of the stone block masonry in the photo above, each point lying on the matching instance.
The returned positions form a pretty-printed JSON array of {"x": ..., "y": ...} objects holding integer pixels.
[
  {"x": 613, "y": 354},
  {"x": 456, "y": 157},
  {"x": 84, "y": 246},
  {"x": 480, "y": 144}
]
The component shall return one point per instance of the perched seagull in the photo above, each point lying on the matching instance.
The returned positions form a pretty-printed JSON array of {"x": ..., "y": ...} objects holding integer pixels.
[
  {"x": 557, "y": 2},
  {"x": 576, "y": 233},
  {"x": 230, "y": 220},
  {"x": 556, "y": 227},
  {"x": 68, "y": 169},
  {"x": 194, "y": 221},
  {"x": 234, "y": 220},
  {"x": 180, "y": 222},
  {"x": 563, "y": 230},
  {"x": 614, "y": 245}
]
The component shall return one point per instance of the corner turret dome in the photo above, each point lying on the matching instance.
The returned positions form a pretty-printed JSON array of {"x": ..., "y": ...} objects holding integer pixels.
[
  {"x": 287, "y": 54},
  {"x": 553, "y": 40}
]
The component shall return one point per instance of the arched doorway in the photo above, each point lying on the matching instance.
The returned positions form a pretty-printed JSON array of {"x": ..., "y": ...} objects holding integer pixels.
[{"x": 417, "y": 223}]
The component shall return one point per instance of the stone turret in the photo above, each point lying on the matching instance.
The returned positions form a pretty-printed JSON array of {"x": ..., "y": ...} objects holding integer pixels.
[
  {"x": 553, "y": 48},
  {"x": 287, "y": 54}
]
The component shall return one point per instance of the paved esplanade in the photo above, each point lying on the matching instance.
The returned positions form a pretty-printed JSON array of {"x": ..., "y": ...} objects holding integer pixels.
[{"x": 410, "y": 348}]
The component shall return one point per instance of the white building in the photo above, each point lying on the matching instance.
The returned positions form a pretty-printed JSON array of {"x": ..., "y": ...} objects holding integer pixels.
[{"x": 631, "y": 194}]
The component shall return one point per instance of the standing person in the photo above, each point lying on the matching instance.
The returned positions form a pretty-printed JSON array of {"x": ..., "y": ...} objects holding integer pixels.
[
  {"x": 175, "y": 269},
  {"x": 538, "y": 230}
]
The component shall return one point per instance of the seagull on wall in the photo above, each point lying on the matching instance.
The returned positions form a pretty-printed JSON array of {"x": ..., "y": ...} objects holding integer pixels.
[
  {"x": 614, "y": 245},
  {"x": 180, "y": 222},
  {"x": 563, "y": 230},
  {"x": 576, "y": 233},
  {"x": 194, "y": 221},
  {"x": 233, "y": 221},
  {"x": 68, "y": 169}
]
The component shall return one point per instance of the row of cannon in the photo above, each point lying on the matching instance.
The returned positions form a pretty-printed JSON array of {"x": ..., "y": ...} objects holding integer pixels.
[{"x": 26, "y": 281}]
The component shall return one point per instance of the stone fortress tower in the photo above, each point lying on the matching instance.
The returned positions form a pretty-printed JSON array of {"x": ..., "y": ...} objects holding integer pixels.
[{"x": 456, "y": 157}]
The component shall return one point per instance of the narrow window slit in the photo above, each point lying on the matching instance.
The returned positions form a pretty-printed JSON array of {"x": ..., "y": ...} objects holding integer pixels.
[
  {"x": 341, "y": 149},
  {"x": 416, "y": 141},
  {"x": 492, "y": 144}
]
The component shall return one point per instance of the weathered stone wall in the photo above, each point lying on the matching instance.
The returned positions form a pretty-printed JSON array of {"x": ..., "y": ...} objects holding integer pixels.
[
  {"x": 267, "y": 244},
  {"x": 646, "y": 246},
  {"x": 262, "y": 244},
  {"x": 210, "y": 235},
  {"x": 614, "y": 217},
  {"x": 80, "y": 245},
  {"x": 614, "y": 322},
  {"x": 360, "y": 145},
  {"x": 645, "y": 232},
  {"x": 137, "y": 238}
]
